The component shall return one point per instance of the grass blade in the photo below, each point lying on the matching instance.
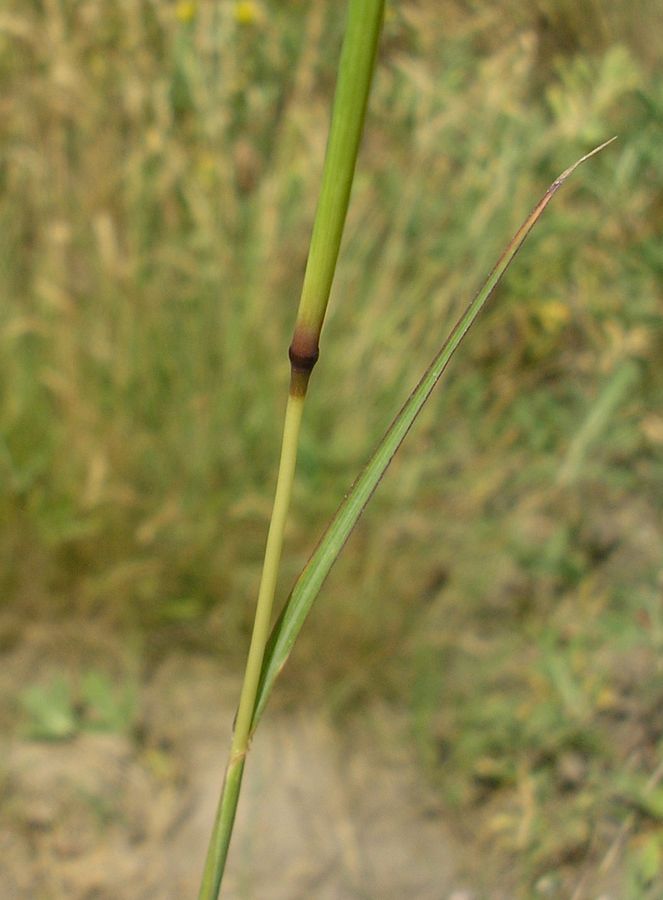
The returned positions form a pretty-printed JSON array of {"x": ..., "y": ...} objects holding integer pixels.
[{"x": 316, "y": 570}]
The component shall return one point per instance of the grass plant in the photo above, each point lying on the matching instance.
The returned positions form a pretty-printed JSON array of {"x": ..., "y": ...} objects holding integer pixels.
[
  {"x": 158, "y": 172},
  {"x": 355, "y": 73}
]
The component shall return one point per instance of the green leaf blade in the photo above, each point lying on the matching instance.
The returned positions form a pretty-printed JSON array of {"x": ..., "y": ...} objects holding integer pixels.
[{"x": 309, "y": 583}]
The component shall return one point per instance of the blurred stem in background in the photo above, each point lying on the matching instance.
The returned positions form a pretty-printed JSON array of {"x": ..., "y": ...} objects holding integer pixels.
[
  {"x": 612, "y": 395},
  {"x": 354, "y": 80}
]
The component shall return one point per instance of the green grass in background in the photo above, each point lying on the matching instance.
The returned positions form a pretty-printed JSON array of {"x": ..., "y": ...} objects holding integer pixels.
[{"x": 158, "y": 172}]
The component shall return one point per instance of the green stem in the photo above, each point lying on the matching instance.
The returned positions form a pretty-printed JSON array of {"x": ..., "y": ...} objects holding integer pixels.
[
  {"x": 620, "y": 384},
  {"x": 353, "y": 85},
  {"x": 293, "y": 418},
  {"x": 225, "y": 817},
  {"x": 352, "y": 88}
]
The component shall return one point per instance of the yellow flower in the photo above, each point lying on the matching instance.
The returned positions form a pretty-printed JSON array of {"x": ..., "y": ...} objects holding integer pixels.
[
  {"x": 247, "y": 12},
  {"x": 186, "y": 10},
  {"x": 553, "y": 315}
]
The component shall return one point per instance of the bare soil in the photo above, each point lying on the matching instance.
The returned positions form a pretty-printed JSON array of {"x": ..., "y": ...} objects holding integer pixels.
[{"x": 326, "y": 813}]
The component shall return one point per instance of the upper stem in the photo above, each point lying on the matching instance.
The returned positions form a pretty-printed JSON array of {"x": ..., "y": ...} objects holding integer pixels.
[{"x": 356, "y": 66}]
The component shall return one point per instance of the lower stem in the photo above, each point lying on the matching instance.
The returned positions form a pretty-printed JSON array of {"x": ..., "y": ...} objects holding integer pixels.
[{"x": 225, "y": 816}]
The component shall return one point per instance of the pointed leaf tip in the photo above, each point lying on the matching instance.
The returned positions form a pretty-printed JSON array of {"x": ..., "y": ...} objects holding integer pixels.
[{"x": 571, "y": 169}]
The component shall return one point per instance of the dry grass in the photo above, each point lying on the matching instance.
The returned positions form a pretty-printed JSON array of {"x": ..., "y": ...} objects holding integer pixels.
[{"x": 159, "y": 165}]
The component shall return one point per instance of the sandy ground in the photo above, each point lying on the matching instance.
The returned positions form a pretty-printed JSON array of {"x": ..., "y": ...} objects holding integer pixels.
[{"x": 325, "y": 813}]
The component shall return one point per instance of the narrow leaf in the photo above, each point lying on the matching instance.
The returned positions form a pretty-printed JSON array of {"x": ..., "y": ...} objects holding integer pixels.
[{"x": 310, "y": 581}]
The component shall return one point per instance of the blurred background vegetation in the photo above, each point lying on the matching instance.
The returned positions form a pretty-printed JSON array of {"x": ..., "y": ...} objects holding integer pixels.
[{"x": 159, "y": 164}]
